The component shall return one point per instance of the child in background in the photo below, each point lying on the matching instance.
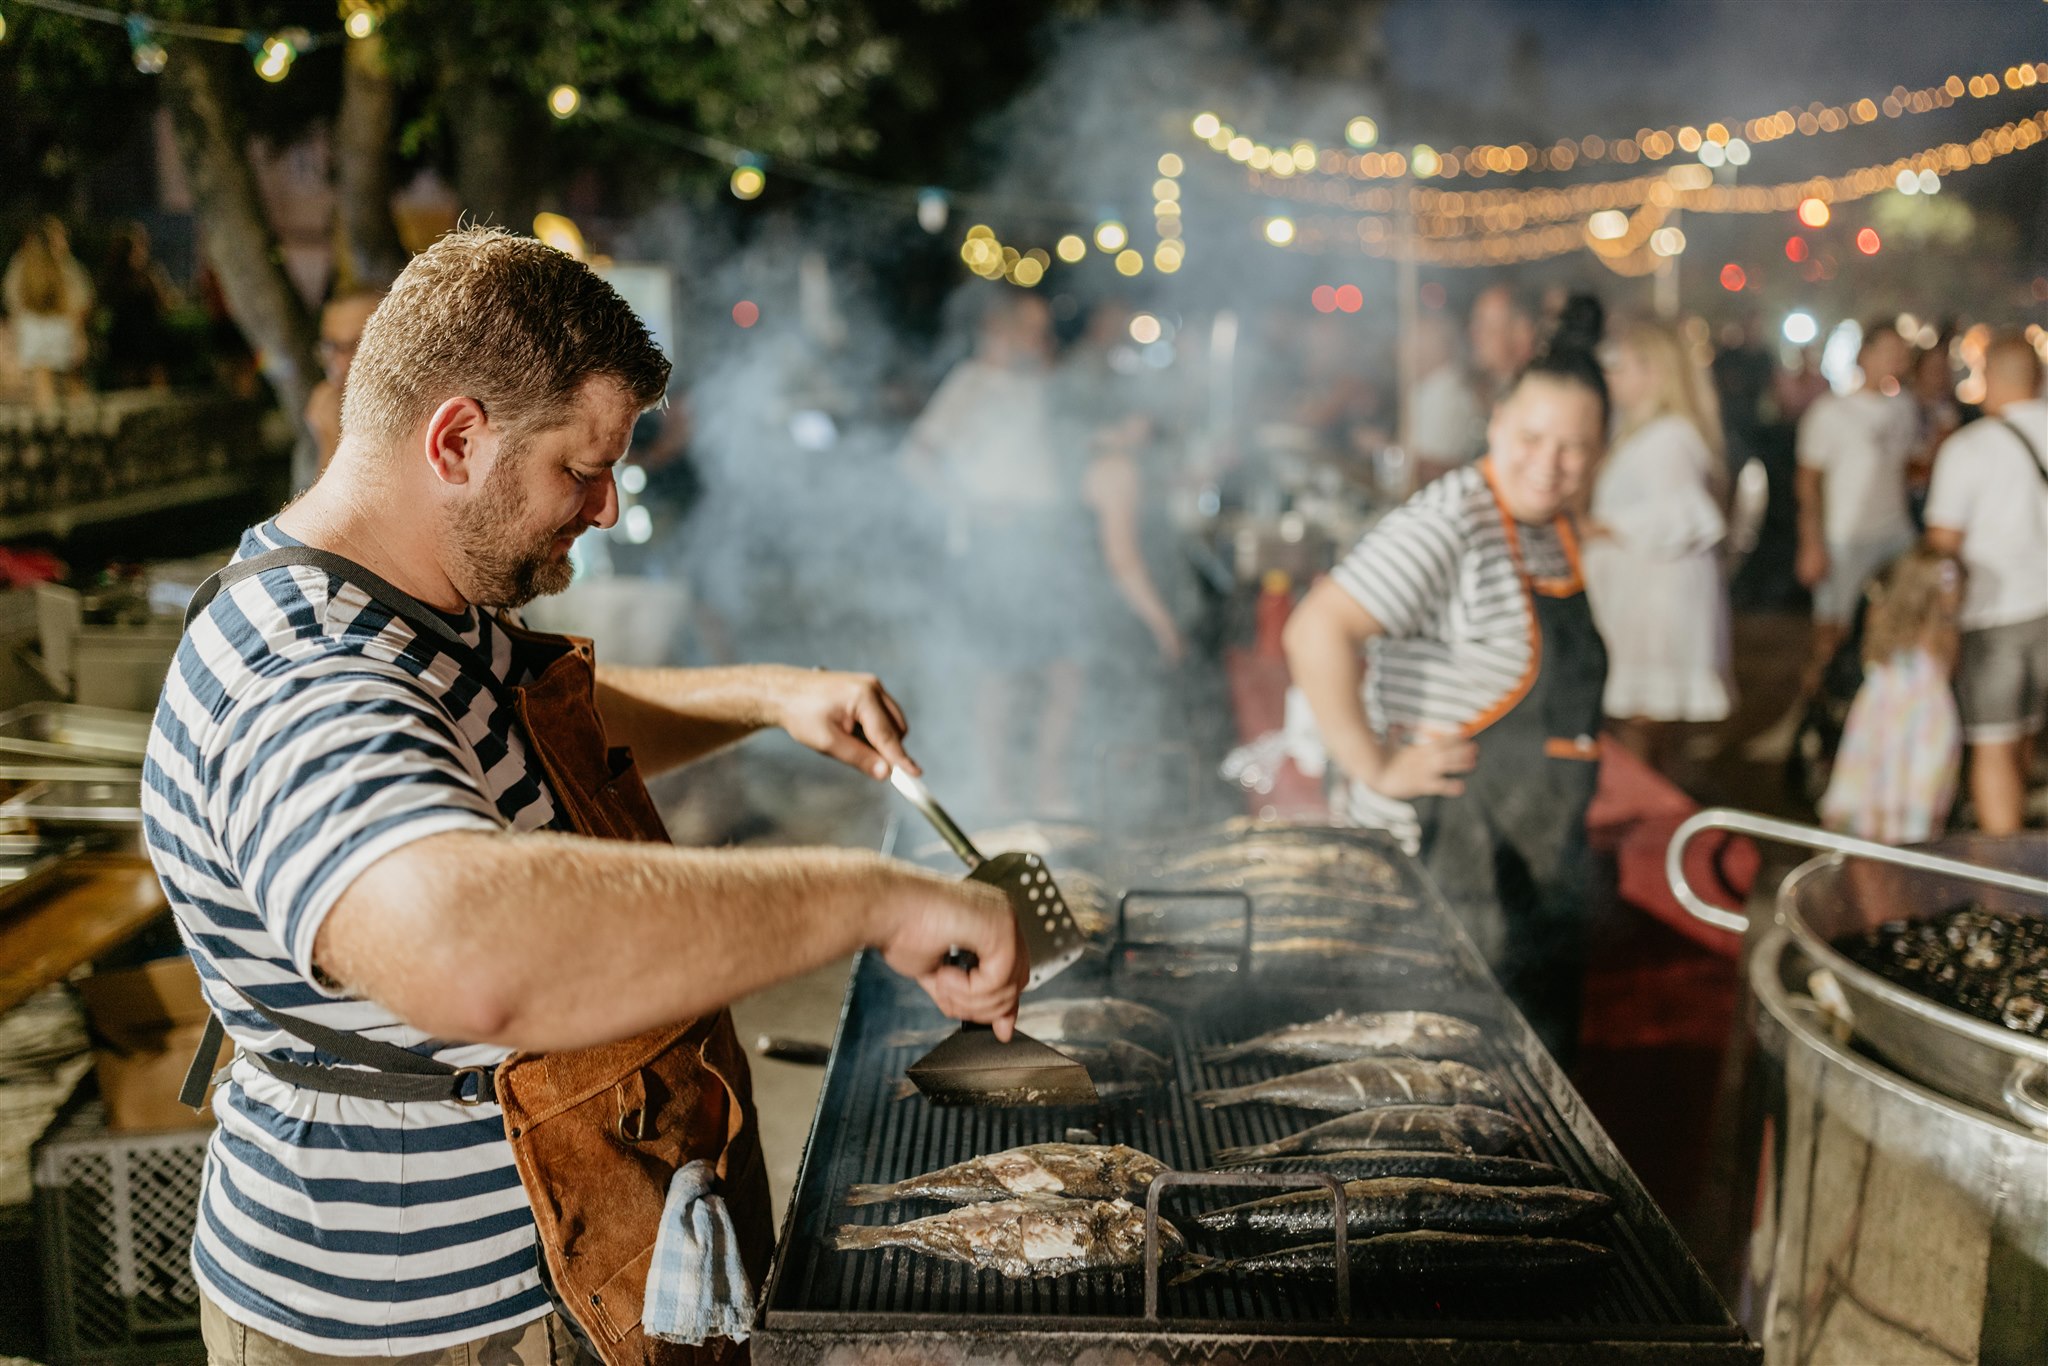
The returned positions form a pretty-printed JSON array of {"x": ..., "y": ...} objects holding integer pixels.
[{"x": 1895, "y": 776}]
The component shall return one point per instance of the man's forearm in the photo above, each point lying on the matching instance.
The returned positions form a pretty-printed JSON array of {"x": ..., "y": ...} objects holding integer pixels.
[
  {"x": 673, "y": 716},
  {"x": 546, "y": 941},
  {"x": 1809, "y": 488}
]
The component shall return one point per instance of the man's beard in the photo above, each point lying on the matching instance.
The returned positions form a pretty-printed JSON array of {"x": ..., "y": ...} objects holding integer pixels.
[{"x": 501, "y": 573}]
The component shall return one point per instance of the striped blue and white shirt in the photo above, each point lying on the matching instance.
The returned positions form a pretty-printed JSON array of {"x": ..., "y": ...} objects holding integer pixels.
[
  {"x": 304, "y": 733},
  {"x": 1439, "y": 576}
]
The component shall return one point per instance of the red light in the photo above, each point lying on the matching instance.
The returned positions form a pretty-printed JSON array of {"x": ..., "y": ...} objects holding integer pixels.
[
  {"x": 746, "y": 313},
  {"x": 1733, "y": 278},
  {"x": 1795, "y": 249},
  {"x": 1324, "y": 298},
  {"x": 1867, "y": 242},
  {"x": 1349, "y": 298},
  {"x": 1432, "y": 295}
]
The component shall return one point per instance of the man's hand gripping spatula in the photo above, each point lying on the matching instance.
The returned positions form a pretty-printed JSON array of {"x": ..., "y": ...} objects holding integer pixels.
[{"x": 973, "y": 1067}]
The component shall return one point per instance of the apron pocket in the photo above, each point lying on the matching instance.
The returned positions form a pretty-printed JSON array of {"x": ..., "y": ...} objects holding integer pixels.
[{"x": 617, "y": 1303}]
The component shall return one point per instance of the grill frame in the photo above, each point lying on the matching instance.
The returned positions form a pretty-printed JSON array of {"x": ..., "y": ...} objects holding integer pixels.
[{"x": 1656, "y": 1304}]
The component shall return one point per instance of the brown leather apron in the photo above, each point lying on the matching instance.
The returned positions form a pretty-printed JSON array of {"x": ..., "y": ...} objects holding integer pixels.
[{"x": 597, "y": 1133}]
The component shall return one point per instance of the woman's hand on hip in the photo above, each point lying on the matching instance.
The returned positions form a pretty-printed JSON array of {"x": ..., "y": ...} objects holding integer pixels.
[{"x": 1427, "y": 768}]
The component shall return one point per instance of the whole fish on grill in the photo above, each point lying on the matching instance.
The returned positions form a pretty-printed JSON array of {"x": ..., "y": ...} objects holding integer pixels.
[
  {"x": 1366, "y": 1084},
  {"x": 1117, "y": 1068},
  {"x": 1339, "y": 862},
  {"x": 1342, "y": 1036},
  {"x": 1031, "y": 1236},
  {"x": 1389, "y": 1204},
  {"x": 1425, "y": 1255},
  {"x": 1478, "y": 1169},
  {"x": 1078, "y": 1171},
  {"x": 1096, "y": 1021},
  {"x": 1444, "y": 1128}
]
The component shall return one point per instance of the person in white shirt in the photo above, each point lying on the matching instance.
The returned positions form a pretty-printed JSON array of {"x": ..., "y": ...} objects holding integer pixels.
[
  {"x": 1853, "y": 520},
  {"x": 1652, "y": 569},
  {"x": 1989, "y": 506},
  {"x": 1446, "y": 426}
]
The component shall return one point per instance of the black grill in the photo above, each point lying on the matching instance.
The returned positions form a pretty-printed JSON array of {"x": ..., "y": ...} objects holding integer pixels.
[{"x": 1652, "y": 1303}]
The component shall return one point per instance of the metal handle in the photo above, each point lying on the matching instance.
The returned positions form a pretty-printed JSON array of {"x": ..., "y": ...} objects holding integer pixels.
[
  {"x": 921, "y": 798},
  {"x": 1812, "y": 837},
  {"x": 1121, "y": 942},
  {"x": 1256, "y": 1180},
  {"x": 2020, "y": 1103}
]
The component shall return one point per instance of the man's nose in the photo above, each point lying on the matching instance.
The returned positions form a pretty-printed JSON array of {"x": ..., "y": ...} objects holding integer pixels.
[{"x": 605, "y": 493}]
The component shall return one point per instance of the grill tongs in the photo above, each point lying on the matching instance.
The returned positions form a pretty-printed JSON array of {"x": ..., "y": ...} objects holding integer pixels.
[{"x": 973, "y": 1067}]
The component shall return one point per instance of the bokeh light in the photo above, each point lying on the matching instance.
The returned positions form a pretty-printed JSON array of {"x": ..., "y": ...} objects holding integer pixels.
[
  {"x": 1867, "y": 241},
  {"x": 1070, "y": 248},
  {"x": 746, "y": 313},
  {"x": 1800, "y": 328},
  {"x": 1350, "y": 298},
  {"x": 1170, "y": 165},
  {"x": 1110, "y": 236},
  {"x": 1144, "y": 329},
  {"x": 1323, "y": 298},
  {"x": 564, "y": 100},
  {"x": 1814, "y": 212},
  {"x": 1129, "y": 262},
  {"x": 1279, "y": 231},
  {"x": 1206, "y": 126},
  {"x": 1361, "y": 132},
  {"x": 1796, "y": 249},
  {"x": 1733, "y": 278}
]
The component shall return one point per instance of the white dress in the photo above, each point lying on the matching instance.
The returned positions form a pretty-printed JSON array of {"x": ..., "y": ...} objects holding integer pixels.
[{"x": 1655, "y": 579}]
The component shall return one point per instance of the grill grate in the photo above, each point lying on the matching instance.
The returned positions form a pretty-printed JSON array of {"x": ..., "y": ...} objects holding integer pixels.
[{"x": 863, "y": 1133}]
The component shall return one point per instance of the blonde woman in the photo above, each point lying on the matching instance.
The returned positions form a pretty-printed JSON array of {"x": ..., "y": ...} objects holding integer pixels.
[
  {"x": 48, "y": 297},
  {"x": 1653, "y": 571}
]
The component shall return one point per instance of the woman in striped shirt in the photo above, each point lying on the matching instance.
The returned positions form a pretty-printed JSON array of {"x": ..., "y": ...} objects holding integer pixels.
[{"x": 1455, "y": 672}]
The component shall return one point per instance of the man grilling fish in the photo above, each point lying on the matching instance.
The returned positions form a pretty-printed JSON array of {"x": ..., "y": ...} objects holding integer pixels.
[{"x": 488, "y": 1104}]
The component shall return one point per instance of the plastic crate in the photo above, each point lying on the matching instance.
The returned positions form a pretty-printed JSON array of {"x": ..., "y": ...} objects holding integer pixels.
[{"x": 114, "y": 1220}]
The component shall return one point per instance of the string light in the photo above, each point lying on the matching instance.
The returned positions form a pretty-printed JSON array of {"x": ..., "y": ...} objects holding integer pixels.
[
  {"x": 747, "y": 182},
  {"x": 1627, "y": 254},
  {"x": 1279, "y": 231},
  {"x": 1110, "y": 236},
  {"x": 564, "y": 101},
  {"x": 275, "y": 56},
  {"x": 359, "y": 18},
  {"x": 1071, "y": 248},
  {"x": 1439, "y": 213},
  {"x": 1129, "y": 262},
  {"x": 1654, "y": 144}
]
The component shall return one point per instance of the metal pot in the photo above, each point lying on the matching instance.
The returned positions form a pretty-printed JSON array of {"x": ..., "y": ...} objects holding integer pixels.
[
  {"x": 1858, "y": 887},
  {"x": 1890, "y": 1222}
]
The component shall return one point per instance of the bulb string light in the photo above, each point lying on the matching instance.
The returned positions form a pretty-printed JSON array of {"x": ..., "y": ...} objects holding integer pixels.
[
  {"x": 1422, "y": 162},
  {"x": 1627, "y": 250},
  {"x": 1448, "y": 214}
]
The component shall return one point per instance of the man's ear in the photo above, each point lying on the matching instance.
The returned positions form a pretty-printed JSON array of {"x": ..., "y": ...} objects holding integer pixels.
[{"x": 453, "y": 442}]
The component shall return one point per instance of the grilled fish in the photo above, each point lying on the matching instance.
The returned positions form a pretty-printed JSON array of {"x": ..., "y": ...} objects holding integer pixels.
[
  {"x": 1352, "y": 954},
  {"x": 1342, "y": 1036},
  {"x": 1098, "y": 1021},
  {"x": 1032, "y": 1236},
  {"x": 1425, "y": 1254},
  {"x": 1081, "y": 1171},
  {"x": 1445, "y": 1128},
  {"x": 1390, "y": 1204},
  {"x": 1473, "y": 1168},
  {"x": 1365, "y": 1084},
  {"x": 1117, "y": 1068}
]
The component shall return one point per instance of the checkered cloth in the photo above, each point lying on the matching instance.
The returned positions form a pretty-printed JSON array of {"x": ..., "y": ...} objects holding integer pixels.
[{"x": 696, "y": 1287}]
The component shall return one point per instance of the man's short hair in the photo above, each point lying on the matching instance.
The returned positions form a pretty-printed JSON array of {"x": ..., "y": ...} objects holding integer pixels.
[
  {"x": 2012, "y": 360},
  {"x": 502, "y": 319}
]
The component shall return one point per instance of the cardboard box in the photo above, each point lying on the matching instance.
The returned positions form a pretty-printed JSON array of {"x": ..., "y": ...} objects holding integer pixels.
[{"x": 146, "y": 1023}]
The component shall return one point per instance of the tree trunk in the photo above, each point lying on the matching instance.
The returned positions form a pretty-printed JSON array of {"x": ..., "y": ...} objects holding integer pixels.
[
  {"x": 368, "y": 253},
  {"x": 495, "y": 151},
  {"x": 236, "y": 236}
]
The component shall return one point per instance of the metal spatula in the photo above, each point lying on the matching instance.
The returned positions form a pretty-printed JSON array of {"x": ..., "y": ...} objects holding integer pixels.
[
  {"x": 973, "y": 1067},
  {"x": 1050, "y": 933}
]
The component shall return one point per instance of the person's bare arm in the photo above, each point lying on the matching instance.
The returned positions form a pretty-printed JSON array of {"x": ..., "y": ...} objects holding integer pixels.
[
  {"x": 670, "y": 717},
  {"x": 1812, "y": 565},
  {"x": 1943, "y": 540},
  {"x": 545, "y": 941},
  {"x": 1325, "y": 641},
  {"x": 1112, "y": 489}
]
